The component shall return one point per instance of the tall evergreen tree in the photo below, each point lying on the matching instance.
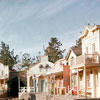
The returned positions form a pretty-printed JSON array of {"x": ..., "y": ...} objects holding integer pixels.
[
  {"x": 53, "y": 50},
  {"x": 6, "y": 56},
  {"x": 27, "y": 60}
]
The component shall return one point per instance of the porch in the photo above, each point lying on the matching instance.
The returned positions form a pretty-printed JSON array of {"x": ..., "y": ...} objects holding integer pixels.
[
  {"x": 55, "y": 84},
  {"x": 87, "y": 82}
]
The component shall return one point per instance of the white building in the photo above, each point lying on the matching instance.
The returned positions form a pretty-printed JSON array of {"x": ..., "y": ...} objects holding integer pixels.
[
  {"x": 36, "y": 73},
  {"x": 87, "y": 65},
  {"x": 4, "y": 76}
]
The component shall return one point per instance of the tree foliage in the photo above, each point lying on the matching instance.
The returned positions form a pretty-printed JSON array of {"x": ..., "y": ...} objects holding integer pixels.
[
  {"x": 6, "y": 56},
  {"x": 79, "y": 43},
  {"x": 53, "y": 50},
  {"x": 27, "y": 60}
]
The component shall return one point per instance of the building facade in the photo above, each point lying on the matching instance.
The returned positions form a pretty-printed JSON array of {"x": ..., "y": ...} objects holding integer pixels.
[
  {"x": 59, "y": 78},
  {"x": 36, "y": 73},
  {"x": 4, "y": 76},
  {"x": 87, "y": 65}
]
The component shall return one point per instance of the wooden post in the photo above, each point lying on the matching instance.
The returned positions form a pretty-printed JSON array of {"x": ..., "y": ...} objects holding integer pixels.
[
  {"x": 47, "y": 84},
  {"x": 18, "y": 83},
  {"x": 37, "y": 85},
  {"x": 57, "y": 90},
  {"x": 54, "y": 84},
  {"x": 85, "y": 83},
  {"x": 50, "y": 83},
  {"x": 77, "y": 83}
]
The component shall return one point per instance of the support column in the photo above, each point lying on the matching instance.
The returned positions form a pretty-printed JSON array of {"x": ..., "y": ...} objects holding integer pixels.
[
  {"x": 18, "y": 83},
  {"x": 28, "y": 83},
  {"x": 85, "y": 83},
  {"x": 54, "y": 84},
  {"x": 50, "y": 83},
  {"x": 47, "y": 84},
  {"x": 98, "y": 95},
  {"x": 37, "y": 85},
  {"x": 77, "y": 83},
  {"x": 70, "y": 82},
  {"x": 92, "y": 84},
  {"x": 57, "y": 87}
]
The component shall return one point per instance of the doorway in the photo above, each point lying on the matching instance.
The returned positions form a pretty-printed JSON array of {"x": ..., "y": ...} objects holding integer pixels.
[{"x": 42, "y": 85}]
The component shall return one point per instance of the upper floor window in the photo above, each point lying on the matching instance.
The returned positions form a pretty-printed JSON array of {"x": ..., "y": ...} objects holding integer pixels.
[
  {"x": 47, "y": 67},
  {"x": 93, "y": 48},
  {"x": 86, "y": 49},
  {"x": 2, "y": 73},
  {"x": 40, "y": 67}
]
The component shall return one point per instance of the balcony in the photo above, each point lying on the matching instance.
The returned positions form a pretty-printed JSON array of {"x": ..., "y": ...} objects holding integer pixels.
[{"x": 85, "y": 60}]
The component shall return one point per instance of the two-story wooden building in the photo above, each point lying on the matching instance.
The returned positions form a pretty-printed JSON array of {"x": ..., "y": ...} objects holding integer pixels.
[
  {"x": 87, "y": 66},
  {"x": 59, "y": 78}
]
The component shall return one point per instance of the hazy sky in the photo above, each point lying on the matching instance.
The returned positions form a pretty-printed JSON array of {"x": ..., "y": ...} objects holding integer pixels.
[{"x": 27, "y": 25}]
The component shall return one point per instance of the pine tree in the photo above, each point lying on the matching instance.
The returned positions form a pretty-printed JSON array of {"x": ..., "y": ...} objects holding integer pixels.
[
  {"x": 53, "y": 50},
  {"x": 6, "y": 56},
  {"x": 27, "y": 60}
]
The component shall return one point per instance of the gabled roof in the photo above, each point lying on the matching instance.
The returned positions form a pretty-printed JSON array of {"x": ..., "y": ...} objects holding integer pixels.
[
  {"x": 77, "y": 51},
  {"x": 89, "y": 28}
]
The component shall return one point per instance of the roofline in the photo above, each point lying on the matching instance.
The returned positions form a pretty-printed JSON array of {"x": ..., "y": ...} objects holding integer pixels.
[
  {"x": 62, "y": 59},
  {"x": 92, "y": 30},
  {"x": 69, "y": 53}
]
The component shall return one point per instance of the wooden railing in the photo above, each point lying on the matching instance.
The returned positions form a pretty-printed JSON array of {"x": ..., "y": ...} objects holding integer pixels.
[
  {"x": 23, "y": 90},
  {"x": 87, "y": 59}
]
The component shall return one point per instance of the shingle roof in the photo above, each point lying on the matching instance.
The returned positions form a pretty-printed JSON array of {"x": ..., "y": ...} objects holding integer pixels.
[{"x": 77, "y": 50}]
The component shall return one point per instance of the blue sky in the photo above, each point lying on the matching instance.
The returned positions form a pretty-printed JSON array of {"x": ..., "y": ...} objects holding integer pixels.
[{"x": 27, "y": 25}]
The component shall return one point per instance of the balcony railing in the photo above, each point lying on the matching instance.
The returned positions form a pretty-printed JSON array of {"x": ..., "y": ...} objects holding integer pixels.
[
  {"x": 23, "y": 90},
  {"x": 85, "y": 60}
]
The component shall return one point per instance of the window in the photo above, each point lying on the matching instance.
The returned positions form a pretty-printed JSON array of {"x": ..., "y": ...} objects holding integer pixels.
[
  {"x": 86, "y": 49},
  {"x": 74, "y": 80},
  {"x": 93, "y": 48},
  {"x": 2, "y": 73},
  {"x": 40, "y": 67}
]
